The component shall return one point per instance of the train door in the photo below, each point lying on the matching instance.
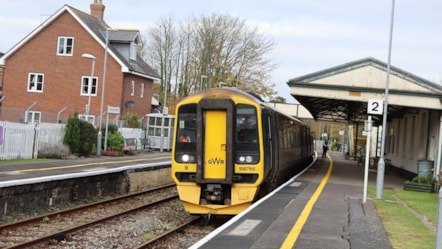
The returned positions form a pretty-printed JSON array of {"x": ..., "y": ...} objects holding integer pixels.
[
  {"x": 215, "y": 142},
  {"x": 215, "y": 150}
]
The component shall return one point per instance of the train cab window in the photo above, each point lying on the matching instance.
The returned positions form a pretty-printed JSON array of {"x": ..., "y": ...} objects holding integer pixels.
[
  {"x": 185, "y": 146},
  {"x": 186, "y": 124},
  {"x": 246, "y": 125}
]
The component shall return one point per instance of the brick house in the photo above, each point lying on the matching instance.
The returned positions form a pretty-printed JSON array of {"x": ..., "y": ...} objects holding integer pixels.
[{"x": 47, "y": 75}]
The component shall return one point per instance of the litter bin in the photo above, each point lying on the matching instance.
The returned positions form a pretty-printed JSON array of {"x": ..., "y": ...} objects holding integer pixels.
[{"x": 425, "y": 168}]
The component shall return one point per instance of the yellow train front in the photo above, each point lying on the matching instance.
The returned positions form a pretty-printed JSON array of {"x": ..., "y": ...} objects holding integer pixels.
[{"x": 229, "y": 148}]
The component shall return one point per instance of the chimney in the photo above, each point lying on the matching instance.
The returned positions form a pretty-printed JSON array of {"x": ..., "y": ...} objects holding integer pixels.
[{"x": 97, "y": 9}]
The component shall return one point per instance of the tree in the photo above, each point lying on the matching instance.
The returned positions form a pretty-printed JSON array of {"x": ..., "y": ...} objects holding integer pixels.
[
  {"x": 278, "y": 99},
  {"x": 205, "y": 51},
  {"x": 132, "y": 119}
]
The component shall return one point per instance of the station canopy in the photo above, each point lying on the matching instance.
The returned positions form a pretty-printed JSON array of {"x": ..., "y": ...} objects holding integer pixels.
[{"x": 341, "y": 93}]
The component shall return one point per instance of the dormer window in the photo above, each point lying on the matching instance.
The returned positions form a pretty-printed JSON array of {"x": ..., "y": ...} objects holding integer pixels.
[
  {"x": 133, "y": 51},
  {"x": 65, "y": 45},
  {"x": 142, "y": 90},
  {"x": 132, "y": 88}
]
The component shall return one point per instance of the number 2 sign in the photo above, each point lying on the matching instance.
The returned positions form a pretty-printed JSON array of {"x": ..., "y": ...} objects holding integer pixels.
[{"x": 375, "y": 107}]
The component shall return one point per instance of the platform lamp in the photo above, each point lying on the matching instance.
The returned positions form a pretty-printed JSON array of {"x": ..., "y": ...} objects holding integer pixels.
[
  {"x": 90, "y": 84},
  {"x": 165, "y": 109}
]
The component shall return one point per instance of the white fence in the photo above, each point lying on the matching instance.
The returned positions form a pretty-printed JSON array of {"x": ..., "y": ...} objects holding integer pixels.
[{"x": 22, "y": 141}]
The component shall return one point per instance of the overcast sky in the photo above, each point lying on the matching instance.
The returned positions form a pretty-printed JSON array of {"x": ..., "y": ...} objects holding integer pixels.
[{"x": 309, "y": 35}]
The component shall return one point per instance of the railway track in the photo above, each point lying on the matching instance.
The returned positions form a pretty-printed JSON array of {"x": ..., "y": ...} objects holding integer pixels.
[
  {"x": 165, "y": 237},
  {"x": 63, "y": 226}
]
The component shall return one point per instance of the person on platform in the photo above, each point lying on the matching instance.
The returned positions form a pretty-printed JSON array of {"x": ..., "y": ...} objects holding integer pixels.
[{"x": 324, "y": 148}]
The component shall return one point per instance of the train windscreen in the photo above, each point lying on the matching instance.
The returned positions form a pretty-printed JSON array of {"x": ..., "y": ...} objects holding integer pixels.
[
  {"x": 246, "y": 139},
  {"x": 246, "y": 126},
  {"x": 185, "y": 144}
]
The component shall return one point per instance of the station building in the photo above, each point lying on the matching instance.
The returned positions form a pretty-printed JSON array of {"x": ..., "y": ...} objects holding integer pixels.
[{"x": 340, "y": 94}]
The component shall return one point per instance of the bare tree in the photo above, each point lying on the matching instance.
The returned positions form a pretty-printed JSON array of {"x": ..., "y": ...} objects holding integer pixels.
[
  {"x": 159, "y": 51},
  {"x": 206, "y": 51}
]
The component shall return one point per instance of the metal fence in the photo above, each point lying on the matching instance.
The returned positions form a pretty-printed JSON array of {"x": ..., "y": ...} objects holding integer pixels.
[{"x": 23, "y": 141}]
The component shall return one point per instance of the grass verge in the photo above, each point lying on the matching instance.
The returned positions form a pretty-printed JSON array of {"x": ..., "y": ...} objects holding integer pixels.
[{"x": 403, "y": 215}]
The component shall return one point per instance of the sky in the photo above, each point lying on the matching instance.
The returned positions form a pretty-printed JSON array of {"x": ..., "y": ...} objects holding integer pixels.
[{"x": 309, "y": 36}]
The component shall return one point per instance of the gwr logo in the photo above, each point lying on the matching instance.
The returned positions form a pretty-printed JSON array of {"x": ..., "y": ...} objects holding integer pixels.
[{"x": 216, "y": 160}]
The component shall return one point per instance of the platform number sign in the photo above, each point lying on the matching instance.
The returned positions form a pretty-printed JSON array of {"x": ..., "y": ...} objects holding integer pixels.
[{"x": 375, "y": 107}]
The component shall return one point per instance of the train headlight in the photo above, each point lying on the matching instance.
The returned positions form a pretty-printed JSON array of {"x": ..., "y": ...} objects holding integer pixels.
[
  {"x": 247, "y": 158},
  {"x": 185, "y": 158}
]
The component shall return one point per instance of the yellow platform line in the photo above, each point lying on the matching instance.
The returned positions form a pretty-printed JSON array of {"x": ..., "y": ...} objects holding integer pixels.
[
  {"x": 89, "y": 164},
  {"x": 293, "y": 235}
]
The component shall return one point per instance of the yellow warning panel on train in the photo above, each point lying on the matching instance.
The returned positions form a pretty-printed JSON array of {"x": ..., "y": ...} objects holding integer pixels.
[{"x": 215, "y": 151}]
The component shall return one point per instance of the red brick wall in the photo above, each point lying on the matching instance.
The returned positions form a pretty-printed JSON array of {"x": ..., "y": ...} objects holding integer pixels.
[
  {"x": 62, "y": 74},
  {"x": 142, "y": 105}
]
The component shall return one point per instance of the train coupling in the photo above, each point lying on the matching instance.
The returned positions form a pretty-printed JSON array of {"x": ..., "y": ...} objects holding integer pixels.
[{"x": 213, "y": 193}]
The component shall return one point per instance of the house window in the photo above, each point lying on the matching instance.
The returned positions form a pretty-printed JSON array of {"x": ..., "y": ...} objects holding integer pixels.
[
  {"x": 86, "y": 87},
  {"x": 133, "y": 51},
  {"x": 33, "y": 117},
  {"x": 88, "y": 118},
  {"x": 65, "y": 45},
  {"x": 35, "y": 82},
  {"x": 142, "y": 90},
  {"x": 132, "y": 88}
]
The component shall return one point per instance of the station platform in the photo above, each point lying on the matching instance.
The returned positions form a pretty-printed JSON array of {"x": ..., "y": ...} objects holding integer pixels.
[
  {"x": 20, "y": 173},
  {"x": 297, "y": 215}
]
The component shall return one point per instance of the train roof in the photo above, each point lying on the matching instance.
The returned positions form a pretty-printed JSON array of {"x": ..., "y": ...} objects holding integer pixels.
[
  {"x": 267, "y": 105},
  {"x": 253, "y": 96}
]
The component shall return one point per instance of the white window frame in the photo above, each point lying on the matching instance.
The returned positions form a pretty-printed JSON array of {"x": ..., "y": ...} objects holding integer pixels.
[
  {"x": 142, "y": 90},
  {"x": 89, "y": 118},
  {"x": 132, "y": 88},
  {"x": 84, "y": 90},
  {"x": 33, "y": 117},
  {"x": 63, "y": 48},
  {"x": 34, "y": 80},
  {"x": 133, "y": 51}
]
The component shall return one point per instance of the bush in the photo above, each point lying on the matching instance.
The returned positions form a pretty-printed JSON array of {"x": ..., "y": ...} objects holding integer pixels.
[
  {"x": 132, "y": 120},
  {"x": 426, "y": 180},
  {"x": 116, "y": 142},
  {"x": 88, "y": 138},
  {"x": 111, "y": 128},
  {"x": 80, "y": 136},
  {"x": 72, "y": 135},
  {"x": 54, "y": 152}
]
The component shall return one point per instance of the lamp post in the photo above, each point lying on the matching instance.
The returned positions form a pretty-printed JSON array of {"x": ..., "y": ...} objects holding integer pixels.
[
  {"x": 381, "y": 162},
  {"x": 100, "y": 134},
  {"x": 91, "y": 82},
  {"x": 165, "y": 109}
]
